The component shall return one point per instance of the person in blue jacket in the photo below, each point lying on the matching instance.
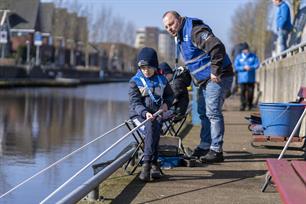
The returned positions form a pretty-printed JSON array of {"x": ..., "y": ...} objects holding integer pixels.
[
  {"x": 246, "y": 64},
  {"x": 149, "y": 91},
  {"x": 211, "y": 70},
  {"x": 283, "y": 23}
]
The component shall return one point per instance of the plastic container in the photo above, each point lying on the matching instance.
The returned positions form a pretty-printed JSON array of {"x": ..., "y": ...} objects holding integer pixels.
[
  {"x": 279, "y": 119},
  {"x": 169, "y": 162}
]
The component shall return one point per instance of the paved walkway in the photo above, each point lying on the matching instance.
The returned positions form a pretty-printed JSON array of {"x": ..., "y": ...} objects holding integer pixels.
[{"x": 237, "y": 180}]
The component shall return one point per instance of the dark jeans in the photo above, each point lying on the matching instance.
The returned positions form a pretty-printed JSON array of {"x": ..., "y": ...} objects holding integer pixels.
[
  {"x": 151, "y": 133},
  {"x": 282, "y": 39},
  {"x": 246, "y": 95}
]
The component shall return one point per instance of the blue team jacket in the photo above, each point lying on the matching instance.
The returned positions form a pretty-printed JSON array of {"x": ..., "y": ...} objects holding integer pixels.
[
  {"x": 283, "y": 18},
  {"x": 196, "y": 60},
  {"x": 250, "y": 60}
]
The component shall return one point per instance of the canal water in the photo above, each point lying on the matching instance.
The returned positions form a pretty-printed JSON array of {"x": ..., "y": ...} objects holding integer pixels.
[{"x": 39, "y": 126}]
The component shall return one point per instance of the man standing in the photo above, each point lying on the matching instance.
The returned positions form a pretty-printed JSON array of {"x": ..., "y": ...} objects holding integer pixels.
[
  {"x": 283, "y": 24},
  {"x": 211, "y": 70},
  {"x": 246, "y": 64}
]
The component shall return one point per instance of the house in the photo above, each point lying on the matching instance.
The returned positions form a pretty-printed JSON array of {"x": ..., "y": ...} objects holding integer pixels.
[{"x": 27, "y": 23}]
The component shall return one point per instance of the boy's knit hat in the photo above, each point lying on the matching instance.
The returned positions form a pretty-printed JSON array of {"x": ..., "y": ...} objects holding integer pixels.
[
  {"x": 164, "y": 66},
  {"x": 147, "y": 57}
]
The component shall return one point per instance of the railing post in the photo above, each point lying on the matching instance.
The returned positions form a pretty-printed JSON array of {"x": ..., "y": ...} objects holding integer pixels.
[{"x": 94, "y": 194}]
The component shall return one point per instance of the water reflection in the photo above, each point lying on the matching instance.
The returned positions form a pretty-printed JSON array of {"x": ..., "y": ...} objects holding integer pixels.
[{"x": 39, "y": 126}]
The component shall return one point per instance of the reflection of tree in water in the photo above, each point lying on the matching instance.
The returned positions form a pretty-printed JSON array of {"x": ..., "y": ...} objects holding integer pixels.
[
  {"x": 44, "y": 121},
  {"x": 39, "y": 126},
  {"x": 30, "y": 123}
]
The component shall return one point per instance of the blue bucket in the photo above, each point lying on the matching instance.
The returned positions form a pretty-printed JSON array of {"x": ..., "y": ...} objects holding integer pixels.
[{"x": 279, "y": 119}]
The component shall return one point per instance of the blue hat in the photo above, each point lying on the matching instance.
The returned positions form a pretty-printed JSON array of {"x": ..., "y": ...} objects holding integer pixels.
[
  {"x": 147, "y": 57},
  {"x": 166, "y": 68}
]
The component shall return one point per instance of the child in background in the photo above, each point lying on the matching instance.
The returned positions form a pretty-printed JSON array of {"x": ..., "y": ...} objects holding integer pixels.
[{"x": 179, "y": 80}]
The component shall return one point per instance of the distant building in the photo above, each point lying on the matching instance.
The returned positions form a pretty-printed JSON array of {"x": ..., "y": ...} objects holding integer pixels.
[
  {"x": 157, "y": 39},
  {"x": 147, "y": 37},
  {"x": 23, "y": 20},
  {"x": 46, "y": 16},
  {"x": 166, "y": 47},
  {"x": 64, "y": 34},
  {"x": 140, "y": 38}
]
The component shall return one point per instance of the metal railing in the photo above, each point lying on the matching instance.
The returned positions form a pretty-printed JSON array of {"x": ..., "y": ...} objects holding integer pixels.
[
  {"x": 60, "y": 160},
  {"x": 92, "y": 183},
  {"x": 86, "y": 188},
  {"x": 286, "y": 53}
]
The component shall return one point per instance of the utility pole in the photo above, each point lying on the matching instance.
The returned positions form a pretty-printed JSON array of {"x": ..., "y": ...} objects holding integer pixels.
[
  {"x": 3, "y": 32},
  {"x": 28, "y": 51}
]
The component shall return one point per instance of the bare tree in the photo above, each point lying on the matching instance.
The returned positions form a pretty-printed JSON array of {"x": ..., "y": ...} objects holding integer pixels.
[
  {"x": 129, "y": 33},
  {"x": 295, "y": 6},
  {"x": 243, "y": 24},
  {"x": 59, "y": 3},
  {"x": 107, "y": 27},
  {"x": 115, "y": 31},
  {"x": 250, "y": 24}
]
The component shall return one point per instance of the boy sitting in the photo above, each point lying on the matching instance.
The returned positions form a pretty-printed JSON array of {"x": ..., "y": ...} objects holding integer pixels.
[{"x": 148, "y": 93}]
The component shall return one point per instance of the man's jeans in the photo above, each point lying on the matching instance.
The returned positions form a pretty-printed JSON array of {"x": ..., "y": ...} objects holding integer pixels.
[
  {"x": 210, "y": 102},
  {"x": 282, "y": 39}
]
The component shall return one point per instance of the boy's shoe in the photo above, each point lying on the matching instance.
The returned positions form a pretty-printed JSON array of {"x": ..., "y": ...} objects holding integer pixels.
[
  {"x": 155, "y": 171},
  {"x": 212, "y": 157},
  {"x": 198, "y": 152},
  {"x": 145, "y": 172}
]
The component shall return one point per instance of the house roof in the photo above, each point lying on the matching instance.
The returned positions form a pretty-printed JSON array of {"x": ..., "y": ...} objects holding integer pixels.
[
  {"x": 27, "y": 10},
  {"x": 4, "y": 4}
]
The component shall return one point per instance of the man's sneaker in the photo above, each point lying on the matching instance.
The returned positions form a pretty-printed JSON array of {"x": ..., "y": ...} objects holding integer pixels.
[
  {"x": 212, "y": 157},
  {"x": 155, "y": 171},
  {"x": 198, "y": 152}
]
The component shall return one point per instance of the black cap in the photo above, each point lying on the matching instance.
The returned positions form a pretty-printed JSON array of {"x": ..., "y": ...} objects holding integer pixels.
[
  {"x": 166, "y": 68},
  {"x": 147, "y": 57},
  {"x": 244, "y": 46}
]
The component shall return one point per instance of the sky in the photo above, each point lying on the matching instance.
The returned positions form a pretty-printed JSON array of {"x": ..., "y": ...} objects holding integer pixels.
[{"x": 216, "y": 13}]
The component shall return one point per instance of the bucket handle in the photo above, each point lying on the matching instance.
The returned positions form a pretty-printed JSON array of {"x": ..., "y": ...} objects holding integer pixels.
[{"x": 280, "y": 115}]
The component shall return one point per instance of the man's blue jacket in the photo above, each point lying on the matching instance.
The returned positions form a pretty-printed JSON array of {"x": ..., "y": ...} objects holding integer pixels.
[
  {"x": 283, "y": 18},
  {"x": 243, "y": 60}
]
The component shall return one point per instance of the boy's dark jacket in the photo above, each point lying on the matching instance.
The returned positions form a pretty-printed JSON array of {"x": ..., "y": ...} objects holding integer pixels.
[
  {"x": 180, "y": 84},
  {"x": 139, "y": 100}
]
